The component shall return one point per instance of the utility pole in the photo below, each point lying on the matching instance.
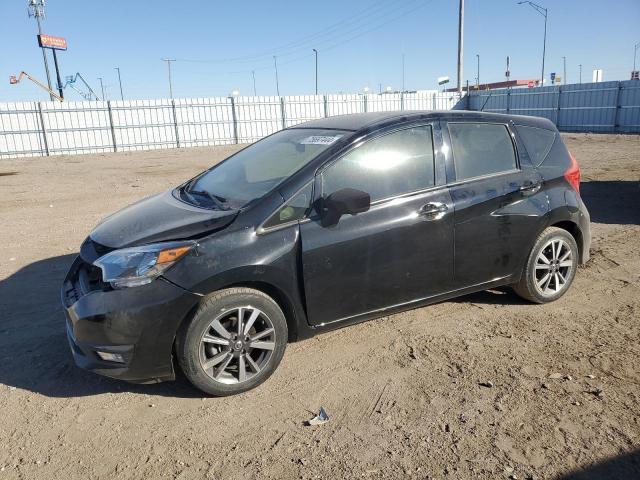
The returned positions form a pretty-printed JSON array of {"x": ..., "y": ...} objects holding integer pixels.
[
  {"x": 253, "y": 75},
  {"x": 580, "y": 70},
  {"x": 542, "y": 11},
  {"x": 460, "y": 44},
  {"x": 564, "y": 70},
  {"x": 36, "y": 9},
  {"x": 120, "y": 81},
  {"x": 478, "y": 75},
  {"x": 316, "y": 53},
  {"x": 275, "y": 64},
  {"x": 403, "y": 72},
  {"x": 169, "y": 60},
  {"x": 102, "y": 88}
]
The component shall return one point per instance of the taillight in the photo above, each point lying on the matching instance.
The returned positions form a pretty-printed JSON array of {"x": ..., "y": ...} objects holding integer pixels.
[{"x": 572, "y": 174}]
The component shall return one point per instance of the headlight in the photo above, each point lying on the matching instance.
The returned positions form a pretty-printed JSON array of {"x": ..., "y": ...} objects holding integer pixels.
[{"x": 131, "y": 267}]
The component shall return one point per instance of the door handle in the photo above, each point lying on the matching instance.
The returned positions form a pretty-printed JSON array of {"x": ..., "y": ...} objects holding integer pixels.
[
  {"x": 529, "y": 188},
  {"x": 433, "y": 210}
]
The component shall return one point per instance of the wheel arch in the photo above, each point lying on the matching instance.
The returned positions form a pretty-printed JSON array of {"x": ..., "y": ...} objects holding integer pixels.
[{"x": 574, "y": 229}]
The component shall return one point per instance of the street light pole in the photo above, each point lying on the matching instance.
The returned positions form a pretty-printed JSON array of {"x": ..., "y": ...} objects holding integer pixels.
[
  {"x": 275, "y": 64},
  {"x": 253, "y": 75},
  {"x": 635, "y": 52},
  {"x": 316, "y": 53},
  {"x": 403, "y": 89},
  {"x": 460, "y": 44},
  {"x": 102, "y": 88},
  {"x": 120, "y": 82},
  {"x": 478, "y": 76},
  {"x": 542, "y": 11},
  {"x": 169, "y": 60}
]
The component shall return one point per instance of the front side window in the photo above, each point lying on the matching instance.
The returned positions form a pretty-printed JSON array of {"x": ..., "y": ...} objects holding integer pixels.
[
  {"x": 394, "y": 164},
  {"x": 481, "y": 149},
  {"x": 259, "y": 168}
]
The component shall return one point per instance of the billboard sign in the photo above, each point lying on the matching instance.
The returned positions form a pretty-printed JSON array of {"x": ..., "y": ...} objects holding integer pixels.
[{"x": 49, "y": 41}]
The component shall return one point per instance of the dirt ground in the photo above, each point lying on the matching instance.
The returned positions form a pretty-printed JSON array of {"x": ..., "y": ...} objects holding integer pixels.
[{"x": 403, "y": 393}]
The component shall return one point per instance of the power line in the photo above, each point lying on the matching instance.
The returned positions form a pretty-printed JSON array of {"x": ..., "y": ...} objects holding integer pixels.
[{"x": 326, "y": 35}]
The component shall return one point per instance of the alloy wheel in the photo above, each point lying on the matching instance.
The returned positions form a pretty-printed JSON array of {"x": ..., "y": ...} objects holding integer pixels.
[
  {"x": 553, "y": 268},
  {"x": 237, "y": 345}
]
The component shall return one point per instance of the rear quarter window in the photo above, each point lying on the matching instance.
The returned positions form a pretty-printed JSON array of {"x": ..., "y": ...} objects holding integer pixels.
[
  {"x": 537, "y": 141},
  {"x": 481, "y": 149}
]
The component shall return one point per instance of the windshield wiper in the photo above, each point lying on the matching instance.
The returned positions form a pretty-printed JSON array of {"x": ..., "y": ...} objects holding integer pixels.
[{"x": 218, "y": 200}]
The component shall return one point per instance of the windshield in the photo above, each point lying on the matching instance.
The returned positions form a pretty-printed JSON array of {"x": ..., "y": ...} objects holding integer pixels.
[{"x": 259, "y": 168}]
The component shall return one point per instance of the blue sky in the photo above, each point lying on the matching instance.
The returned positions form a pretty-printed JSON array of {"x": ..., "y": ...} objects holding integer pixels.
[{"x": 360, "y": 43}]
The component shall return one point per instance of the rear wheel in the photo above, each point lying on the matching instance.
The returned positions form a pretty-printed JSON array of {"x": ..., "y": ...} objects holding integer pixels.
[
  {"x": 550, "y": 268},
  {"x": 234, "y": 341}
]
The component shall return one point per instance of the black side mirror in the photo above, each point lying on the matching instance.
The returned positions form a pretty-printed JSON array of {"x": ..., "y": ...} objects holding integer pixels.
[{"x": 345, "y": 201}]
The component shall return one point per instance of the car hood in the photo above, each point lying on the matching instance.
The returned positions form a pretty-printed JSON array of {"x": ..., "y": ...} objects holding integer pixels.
[{"x": 158, "y": 218}]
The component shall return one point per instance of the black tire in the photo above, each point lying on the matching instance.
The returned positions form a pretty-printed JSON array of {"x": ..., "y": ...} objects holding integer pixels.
[
  {"x": 194, "y": 353},
  {"x": 529, "y": 286}
]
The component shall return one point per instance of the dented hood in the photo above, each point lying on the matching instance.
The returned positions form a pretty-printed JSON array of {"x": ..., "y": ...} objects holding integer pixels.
[{"x": 158, "y": 218}]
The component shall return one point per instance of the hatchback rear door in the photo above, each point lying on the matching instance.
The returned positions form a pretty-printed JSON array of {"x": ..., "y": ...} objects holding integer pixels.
[{"x": 399, "y": 251}]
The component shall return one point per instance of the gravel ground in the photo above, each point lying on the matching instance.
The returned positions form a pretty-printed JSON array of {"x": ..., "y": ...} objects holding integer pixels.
[{"x": 404, "y": 393}]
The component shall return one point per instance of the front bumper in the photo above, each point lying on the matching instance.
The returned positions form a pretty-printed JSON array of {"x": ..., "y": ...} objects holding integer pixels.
[{"x": 138, "y": 323}]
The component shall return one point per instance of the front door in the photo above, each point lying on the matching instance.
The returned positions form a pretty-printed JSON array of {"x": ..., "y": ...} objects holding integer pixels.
[{"x": 399, "y": 251}]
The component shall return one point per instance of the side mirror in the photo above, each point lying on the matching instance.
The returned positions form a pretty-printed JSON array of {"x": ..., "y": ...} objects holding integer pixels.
[{"x": 347, "y": 201}]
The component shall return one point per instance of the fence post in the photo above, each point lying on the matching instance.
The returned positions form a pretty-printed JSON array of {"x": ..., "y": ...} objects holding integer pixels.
[
  {"x": 616, "y": 118},
  {"x": 326, "y": 106},
  {"x": 44, "y": 130},
  {"x": 235, "y": 120},
  {"x": 175, "y": 122},
  {"x": 433, "y": 106},
  {"x": 557, "y": 122},
  {"x": 401, "y": 100},
  {"x": 365, "y": 104},
  {"x": 284, "y": 120},
  {"x": 113, "y": 132}
]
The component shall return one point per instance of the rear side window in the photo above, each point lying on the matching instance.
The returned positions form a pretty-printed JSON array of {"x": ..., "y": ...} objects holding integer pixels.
[
  {"x": 537, "y": 141},
  {"x": 481, "y": 149},
  {"x": 396, "y": 163}
]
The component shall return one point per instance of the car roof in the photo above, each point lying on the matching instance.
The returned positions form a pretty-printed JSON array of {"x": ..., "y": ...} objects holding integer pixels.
[{"x": 358, "y": 121}]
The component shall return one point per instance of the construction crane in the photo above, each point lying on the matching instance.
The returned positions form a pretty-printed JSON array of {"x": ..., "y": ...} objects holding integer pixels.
[
  {"x": 70, "y": 81},
  {"x": 13, "y": 80}
]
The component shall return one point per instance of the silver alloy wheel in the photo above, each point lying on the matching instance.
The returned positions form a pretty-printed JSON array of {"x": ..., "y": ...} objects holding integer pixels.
[
  {"x": 554, "y": 265},
  {"x": 237, "y": 345}
]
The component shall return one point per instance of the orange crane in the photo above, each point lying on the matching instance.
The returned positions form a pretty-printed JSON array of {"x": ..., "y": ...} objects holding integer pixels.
[{"x": 13, "y": 80}]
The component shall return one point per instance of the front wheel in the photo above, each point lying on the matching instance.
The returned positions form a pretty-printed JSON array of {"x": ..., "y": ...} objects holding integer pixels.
[
  {"x": 550, "y": 268},
  {"x": 234, "y": 341}
]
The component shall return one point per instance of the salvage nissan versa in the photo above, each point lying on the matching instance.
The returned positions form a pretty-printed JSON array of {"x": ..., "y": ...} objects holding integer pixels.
[{"x": 319, "y": 226}]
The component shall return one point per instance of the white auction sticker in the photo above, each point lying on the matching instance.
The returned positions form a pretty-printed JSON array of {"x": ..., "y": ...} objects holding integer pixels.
[{"x": 319, "y": 140}]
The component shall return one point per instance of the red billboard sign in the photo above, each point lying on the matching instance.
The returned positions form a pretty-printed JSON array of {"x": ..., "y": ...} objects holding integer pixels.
[{"x": 49, "y": 41}]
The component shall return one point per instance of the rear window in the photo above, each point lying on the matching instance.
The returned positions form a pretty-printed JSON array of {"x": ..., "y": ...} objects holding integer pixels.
[
  {"x": 481, "y": 149},
  {"x": 537, "y": 141}
]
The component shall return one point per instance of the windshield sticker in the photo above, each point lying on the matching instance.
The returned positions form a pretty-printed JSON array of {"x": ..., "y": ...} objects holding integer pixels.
[{"x": 319, "y": 140}]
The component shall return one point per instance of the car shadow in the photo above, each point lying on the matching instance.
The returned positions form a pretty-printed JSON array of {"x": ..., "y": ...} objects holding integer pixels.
[
  {"x": 621, "y": 467},
  {"x": 34, "y": 352},
  {"x": 612, "y": 202}
]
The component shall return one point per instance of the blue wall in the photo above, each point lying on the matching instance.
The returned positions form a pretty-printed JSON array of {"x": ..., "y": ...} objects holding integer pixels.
[{"x": 579, "y": 107}]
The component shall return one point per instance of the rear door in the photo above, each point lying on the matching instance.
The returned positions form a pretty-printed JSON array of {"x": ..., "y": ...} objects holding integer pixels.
[
  {"x": 398, "y": 251},
  {"x": 497, "y": 199}
]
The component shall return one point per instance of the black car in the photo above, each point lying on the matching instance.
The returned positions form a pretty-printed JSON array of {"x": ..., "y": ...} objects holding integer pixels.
[{"x": 322, "y": 225}]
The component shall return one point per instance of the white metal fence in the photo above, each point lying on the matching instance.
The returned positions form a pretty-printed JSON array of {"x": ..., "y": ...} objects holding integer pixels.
[{"x": 52, "y": 128}]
